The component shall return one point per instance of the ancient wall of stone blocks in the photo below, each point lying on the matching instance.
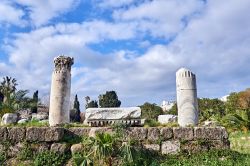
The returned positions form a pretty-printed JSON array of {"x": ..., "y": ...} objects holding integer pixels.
[{"x": 165, "y": 140}]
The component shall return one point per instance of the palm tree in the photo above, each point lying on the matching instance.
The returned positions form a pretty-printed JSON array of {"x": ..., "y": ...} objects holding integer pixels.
[
  {"x": 7, "y": 87},
  {"x": 13, "y": 100},
  {"x": 97, "y": 150}
]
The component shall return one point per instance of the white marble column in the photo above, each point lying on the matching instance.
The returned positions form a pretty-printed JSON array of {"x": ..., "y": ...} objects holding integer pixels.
[
  {"x": 187, "y": 102},
  {"x": 59, "y": 110}
]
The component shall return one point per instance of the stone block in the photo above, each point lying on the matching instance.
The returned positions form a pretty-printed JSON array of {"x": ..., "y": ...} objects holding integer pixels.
[
  {"x": 163, "y": 119},
  {"x": 54, "y": 134},
  {"x": 22, "y": 121},
  {"x": 76, "y": 148},
  {"x": 9, "y": 118},
  {"x": 40, "y": 116},
  {"x": 153, "y": 134},
  {"x": 136, "y": 133},
  {"x": 14, "y": 150},
  {"x": 219, "y": 144},
  {"x": 153, "y": 147},
  {"x": 17, "y": 134},
  {"x": 40, "y": 147},
  {"x": 194, "y": 146},
  {"x": 210, "y": 133},
  {"x": 166, "y": 133},
  {"x": 2, "y": 148},
  {"x": 3, "y": 134},
  {"x": 35, "y": 134},
  {"x": 183, "y": 133},
  {"x": 60, "y": 148},
  {"x": 224, "y": 133},
  {"x": 78, "y": 131},
  {"x": 170, "y": 147},
  {"x": 112, "y": 113}
]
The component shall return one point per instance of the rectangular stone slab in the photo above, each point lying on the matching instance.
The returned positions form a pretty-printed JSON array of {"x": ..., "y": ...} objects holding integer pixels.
[{"x": 112, "y": 113}]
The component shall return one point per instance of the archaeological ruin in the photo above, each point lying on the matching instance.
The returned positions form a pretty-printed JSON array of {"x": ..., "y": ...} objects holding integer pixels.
[
  {"x": 107, "y": 116},
  {"x": 60, "y": 91},
  {"x": 186, "y": 97}
]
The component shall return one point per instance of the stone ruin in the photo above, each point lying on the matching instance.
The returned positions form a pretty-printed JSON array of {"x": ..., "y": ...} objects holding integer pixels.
[
  {"x": 60, "y": 101},
  {"x": 106, "y": 116},
  {"x": 59, "y": 110},
  {"x": 187, "y": 103}
]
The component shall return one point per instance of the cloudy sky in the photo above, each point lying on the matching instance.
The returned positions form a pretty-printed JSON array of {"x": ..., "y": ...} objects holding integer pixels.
[{"x": 131, "y": 46}]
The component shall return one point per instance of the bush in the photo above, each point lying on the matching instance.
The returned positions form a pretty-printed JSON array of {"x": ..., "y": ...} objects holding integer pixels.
[
  {"x": 151, "y": 123},
  {"x": 150, "y": 111},
  {"x": 49, "y": 158},
  {"x": 3, "y": 157}
]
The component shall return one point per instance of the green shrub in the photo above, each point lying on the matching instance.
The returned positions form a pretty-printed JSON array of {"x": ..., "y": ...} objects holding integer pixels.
[
  {"x": 3, "y": 157},
  {"x": 26, "y": 153},
  {"x": 151, "y": 123},
  {"x": 49, "y": 158}
]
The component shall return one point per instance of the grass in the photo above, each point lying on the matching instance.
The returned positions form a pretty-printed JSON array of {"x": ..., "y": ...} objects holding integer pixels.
[
  {"x": 211, "y": 158},
  {"x": 240, "y": 141}
]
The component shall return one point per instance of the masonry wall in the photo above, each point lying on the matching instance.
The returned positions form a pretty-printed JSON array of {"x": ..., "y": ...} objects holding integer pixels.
[{"x": 164, "y": 140}]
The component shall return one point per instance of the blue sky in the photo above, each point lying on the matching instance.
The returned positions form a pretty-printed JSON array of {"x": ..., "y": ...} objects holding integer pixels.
[{"x": 131, "y": 46}]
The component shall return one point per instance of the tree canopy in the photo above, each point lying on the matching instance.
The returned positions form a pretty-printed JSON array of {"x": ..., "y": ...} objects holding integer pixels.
[
  {"x": 109, "y": 99},
  {"x": 151, "y": 111},
  {"x": 92, "y": 104}
]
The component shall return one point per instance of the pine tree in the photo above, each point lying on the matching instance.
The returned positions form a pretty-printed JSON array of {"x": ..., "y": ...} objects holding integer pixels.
[
  {"x": 75, "y": 113},
  {"x": 35, "y": 100}
]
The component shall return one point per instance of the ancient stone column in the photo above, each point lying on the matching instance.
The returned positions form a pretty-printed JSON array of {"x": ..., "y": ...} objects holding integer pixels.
[
  {"x": 59, "y": 110},
  {"x": 186, "y": 97}
]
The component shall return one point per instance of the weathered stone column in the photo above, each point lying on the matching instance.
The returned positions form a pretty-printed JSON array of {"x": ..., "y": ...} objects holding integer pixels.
[
  {"x": 186, "y": 98},
  {"x": 59, "y": 110}
]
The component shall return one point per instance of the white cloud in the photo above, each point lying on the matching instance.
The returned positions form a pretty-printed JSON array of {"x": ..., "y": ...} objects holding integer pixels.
[
  {"x": 41, "y": 12},
  {"x": 160, "y": 17},
  {"x": 11, "y": 15},
  {"x": 214, "y": 44},
  {"x": 113, "y": 3}
]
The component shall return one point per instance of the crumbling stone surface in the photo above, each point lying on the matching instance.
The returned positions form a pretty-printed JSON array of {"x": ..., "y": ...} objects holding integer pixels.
[
  {"x": 170, "y": 147},
  {"x": 137, "y": 133},
  {"x": 3, "y": 134},
  {"x": 54, "y": 134},
  {"x": 14, "y": 150},
  {"x": 167, "y": 140},
  {"x": 17, "y": 134},
  {"x": 219, "y": 144},
  {"x": 76, "y": 148},
  {"x": 78, "y": 131},
  {"x": 183, "y": 133},
  {"x": 2, "y": 148},
  {"x": 194, "y": 146},
  {"x": 34, "y": 134},
  {"x": 40, "y": 147},
  {"x": 153, "y": 147},
  {"x": 212, "y": 133},
  {"x": 153, "y": 134},
  {"x": 166, "y": 133},
  {"x": 60, "y": 148}
]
